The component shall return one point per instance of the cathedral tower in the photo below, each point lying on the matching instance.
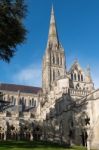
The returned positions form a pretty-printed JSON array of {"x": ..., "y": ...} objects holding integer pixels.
[{"x": 54, "y": 58}]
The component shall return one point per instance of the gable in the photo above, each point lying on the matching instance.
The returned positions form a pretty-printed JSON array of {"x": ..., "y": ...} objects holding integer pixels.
[{"x": 76, "y": 68}]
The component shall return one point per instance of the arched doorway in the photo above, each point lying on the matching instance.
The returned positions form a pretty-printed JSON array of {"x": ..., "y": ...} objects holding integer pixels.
[
  {"x": 11, "y": 132},
  {"x": 37, "y": 133}
]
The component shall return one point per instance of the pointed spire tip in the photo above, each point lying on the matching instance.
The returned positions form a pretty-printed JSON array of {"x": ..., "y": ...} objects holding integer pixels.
[{"x": 52, "y": 10}]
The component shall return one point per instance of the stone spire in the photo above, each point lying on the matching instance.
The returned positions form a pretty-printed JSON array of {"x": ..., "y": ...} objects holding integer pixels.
[
  {"x": 53, "y": 35},
  {"x": 54, "y": 65}
]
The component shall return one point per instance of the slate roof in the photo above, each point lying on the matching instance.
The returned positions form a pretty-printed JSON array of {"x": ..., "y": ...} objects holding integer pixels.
[{"x": 21, "y": 88}]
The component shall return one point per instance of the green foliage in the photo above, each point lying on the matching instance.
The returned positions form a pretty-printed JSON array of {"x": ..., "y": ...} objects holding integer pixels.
[{"x": 12, "y": 30}]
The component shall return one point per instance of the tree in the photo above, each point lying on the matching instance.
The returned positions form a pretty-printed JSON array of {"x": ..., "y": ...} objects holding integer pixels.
[{"x": 12, "y": 30}]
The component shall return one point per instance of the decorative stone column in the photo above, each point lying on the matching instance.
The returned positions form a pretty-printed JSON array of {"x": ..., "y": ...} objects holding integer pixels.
[
  {"x": 89, "y": 137},
  {"x": 31, "y": 137},
  {"x": 5, "y": 133}
]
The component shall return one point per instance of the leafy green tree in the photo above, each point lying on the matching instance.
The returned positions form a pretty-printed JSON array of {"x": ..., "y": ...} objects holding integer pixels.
[{"x": 12, "y": 30}]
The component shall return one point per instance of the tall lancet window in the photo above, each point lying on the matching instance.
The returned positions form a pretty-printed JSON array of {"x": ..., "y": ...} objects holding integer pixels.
[
  {"x": 58, "y": 73},
  {"x": 82, "y": 78},
  {"x": 78, "y": 77},
  {"x": 53, "y": 59},
  {"x": 72, "y": 76},
  {"x": 53, "y": 75},
  {"x": 50, "y": 76},
  {"x": 75, "y": 77},
  {"x": 61, "y": 61},
  {"x": 14, "y": 101},
  {"x": 30, "y": 102},
  {"x": 57, "y": 60}
]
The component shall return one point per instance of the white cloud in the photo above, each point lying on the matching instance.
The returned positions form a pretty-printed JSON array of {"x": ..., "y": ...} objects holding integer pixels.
[{"x": 28, "y": 76}]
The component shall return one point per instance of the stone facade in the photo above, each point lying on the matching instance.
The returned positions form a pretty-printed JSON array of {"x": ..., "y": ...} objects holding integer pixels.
[
  {"x": 68, "y": 107},
  {"x": 19, "y": 115},
  {"x": 64, "y": 110}
]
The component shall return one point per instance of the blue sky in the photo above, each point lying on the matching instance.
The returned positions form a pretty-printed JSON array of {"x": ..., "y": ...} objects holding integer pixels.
[{"x": 78, "y": 29}]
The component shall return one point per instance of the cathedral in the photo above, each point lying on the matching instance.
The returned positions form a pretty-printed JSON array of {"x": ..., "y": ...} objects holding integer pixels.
[{"x": 63, "y": 110}]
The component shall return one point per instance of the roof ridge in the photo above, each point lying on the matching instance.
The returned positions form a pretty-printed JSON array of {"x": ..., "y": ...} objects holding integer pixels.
[
  {"x": 19, "y": 85},
  {"x": 21, "y": 88}
]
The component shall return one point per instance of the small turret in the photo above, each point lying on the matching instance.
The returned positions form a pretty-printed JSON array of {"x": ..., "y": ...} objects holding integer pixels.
[{"x": 88, "y": 78}]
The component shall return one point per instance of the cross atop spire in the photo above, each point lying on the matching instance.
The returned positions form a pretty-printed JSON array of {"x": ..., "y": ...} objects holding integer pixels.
[{"x": 53, "y": 35}]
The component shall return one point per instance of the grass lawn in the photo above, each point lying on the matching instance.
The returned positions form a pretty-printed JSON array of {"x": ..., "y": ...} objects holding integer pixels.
[{"x": 19, "y": 145}]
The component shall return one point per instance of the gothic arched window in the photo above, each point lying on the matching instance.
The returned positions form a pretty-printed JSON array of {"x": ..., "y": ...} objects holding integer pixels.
[
  {"x": 24, "y": 101},
  {"x": 53, "y": 75},
  {"x": 72, "y": 76},
  {"x": 61, "y": 61},
  {"x": 57, "y": 60},
  {"x": 20, "y": 101},
  {"x": 32, "y": 101},
  {"x": 81, "y": 77},
  {"x": 35, "y": 103},
  {"x": 75, "y": 77},
  {"x": 50, "y": 76},
  {"x": 58, "y": 73},
  {"x": 53, "y": 59},
  {"x": 78, "y": 77},
  {"x": 14, "y": 101}
]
